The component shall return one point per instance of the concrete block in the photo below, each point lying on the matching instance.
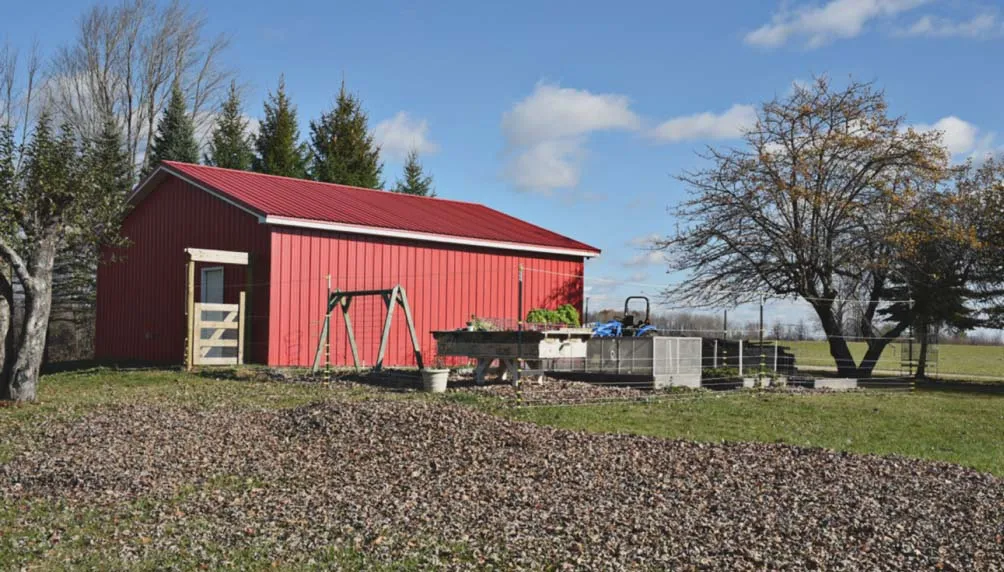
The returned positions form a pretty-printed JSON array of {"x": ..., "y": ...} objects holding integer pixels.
[{"x": 836, "y": 383}]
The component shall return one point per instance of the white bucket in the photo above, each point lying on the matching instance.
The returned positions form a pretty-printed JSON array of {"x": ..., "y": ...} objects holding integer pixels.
[{"x": 434, "y": 380}]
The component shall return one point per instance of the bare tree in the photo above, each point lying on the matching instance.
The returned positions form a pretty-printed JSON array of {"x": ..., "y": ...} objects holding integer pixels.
[
  {"x": 808, "y": 208},
  {"x": 123, "y": 63},
  {"x": 18, "y": 86}
]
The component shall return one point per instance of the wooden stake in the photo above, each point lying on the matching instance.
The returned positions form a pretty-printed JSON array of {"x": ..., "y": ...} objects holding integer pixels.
[
  {"x": 241, "y": 327},
  {"x": 245, "y": 316}
]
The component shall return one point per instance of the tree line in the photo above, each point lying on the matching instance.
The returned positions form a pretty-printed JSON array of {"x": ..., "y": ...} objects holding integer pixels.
[{"x": 134, "y": 87}]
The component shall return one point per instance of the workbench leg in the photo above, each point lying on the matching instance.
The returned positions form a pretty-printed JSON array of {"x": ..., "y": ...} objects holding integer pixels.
[
  {"x": 481, "y": 369},
  {"x": 510, "y": 365},
  {"x": 502, "y": 371}
]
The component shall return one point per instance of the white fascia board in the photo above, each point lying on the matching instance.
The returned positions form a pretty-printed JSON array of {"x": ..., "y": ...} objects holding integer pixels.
[{"x": 425, "y": 236}]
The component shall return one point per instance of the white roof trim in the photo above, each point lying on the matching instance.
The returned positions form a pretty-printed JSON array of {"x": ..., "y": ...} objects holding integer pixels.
[{"x": 426, "y": 236}]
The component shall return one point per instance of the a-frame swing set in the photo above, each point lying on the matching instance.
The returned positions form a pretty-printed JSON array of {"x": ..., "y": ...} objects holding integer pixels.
[{"x": 392, "y": 298}]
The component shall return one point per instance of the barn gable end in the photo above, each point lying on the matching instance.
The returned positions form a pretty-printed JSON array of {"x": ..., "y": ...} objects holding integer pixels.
[{"x": 141, "y": 297}]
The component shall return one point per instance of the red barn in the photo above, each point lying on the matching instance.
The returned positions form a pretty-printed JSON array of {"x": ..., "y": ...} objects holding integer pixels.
[{"x": 454, "y": 259}]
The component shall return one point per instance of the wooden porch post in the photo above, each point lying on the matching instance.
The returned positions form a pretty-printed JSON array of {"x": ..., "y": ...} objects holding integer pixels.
[{"x": 190, "y": 315}]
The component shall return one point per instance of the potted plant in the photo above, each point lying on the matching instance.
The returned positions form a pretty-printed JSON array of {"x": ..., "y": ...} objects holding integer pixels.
[{"x": 434, "y": 378}]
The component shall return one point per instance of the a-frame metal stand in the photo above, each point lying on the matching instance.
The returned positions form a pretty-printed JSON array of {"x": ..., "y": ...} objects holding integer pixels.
[{"x": 392, "y": 298}]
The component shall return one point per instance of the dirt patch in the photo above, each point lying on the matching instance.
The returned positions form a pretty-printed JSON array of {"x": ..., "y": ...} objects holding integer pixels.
[{"x": 399, "y": 478}]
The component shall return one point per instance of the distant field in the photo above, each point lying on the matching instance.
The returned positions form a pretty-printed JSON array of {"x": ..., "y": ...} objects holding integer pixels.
[{"x": 953, "y": 360}]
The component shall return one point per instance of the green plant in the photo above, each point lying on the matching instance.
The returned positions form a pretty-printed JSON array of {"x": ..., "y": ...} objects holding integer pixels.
[
  {"x": 481, "y": 325},
  {"x": 568, "y": 314},
  {"x": 720, "y": 373},
  {"x": 564, "y": 314}
]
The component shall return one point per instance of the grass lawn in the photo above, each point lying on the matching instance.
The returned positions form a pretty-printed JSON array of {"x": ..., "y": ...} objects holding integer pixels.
[
  {"x": 953, "y": 360},
  {"x": 50, "y": 534},
  {"x": 959, "y": 428}
]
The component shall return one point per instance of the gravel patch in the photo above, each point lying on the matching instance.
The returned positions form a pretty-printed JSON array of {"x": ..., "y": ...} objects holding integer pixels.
[{"x": 402, "y": 478}]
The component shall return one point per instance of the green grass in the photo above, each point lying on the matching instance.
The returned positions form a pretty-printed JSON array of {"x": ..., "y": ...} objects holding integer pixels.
[
  {"x": 959, "y": 428},
  {"x": 954, "y": 361}
]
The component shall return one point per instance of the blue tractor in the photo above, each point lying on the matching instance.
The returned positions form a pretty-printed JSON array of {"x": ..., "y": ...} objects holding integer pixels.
[{"x": 627, "y": 326}]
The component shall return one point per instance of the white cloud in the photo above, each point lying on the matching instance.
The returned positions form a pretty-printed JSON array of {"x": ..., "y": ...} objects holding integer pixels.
[
  {"x": 981, "y": 26},
  {"x": 646, "y": 258},
  {"x": 546, "y": 134},
  {"x": 958, "y": 136},
  {"x": 727, "y": 125},
  {"x": 403, "y": 133},
  {"x": 547, "y": 165},
  {"x": 645, "y": 241},
  {"x": 819, "y": 25}
]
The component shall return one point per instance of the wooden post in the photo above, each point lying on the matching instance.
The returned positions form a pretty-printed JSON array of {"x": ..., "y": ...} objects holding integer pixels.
[
  {"x": 190, "y": 316},
  {"x": 245, "y": 315},
  {"x": 403, "y": 300},
  {"x": 740, "y": 358},
  {"x": 349, "y": 333},
  {"x": 241, "y": 327},
  {"x": 714, "y": 359},
  {"x": 327, "y": 328},
  {"x": 390, "y": 300}
]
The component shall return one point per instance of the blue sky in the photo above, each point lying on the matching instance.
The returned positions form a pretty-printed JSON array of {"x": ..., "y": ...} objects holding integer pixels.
[{"x": 577, "y": 115}]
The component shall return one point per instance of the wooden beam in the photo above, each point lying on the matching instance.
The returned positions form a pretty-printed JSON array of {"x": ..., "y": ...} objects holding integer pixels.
[
  {"x": 190, "y": 316},
  {"x": 219, "y": 343},
  {"x": 232, "y": 309},
  {"x": 389, "y": 299},
  {"x": 403, "y": 300},
  {"x": 220, "y": 325},
  {"x": 217, "y": 256},
  {"x": 351, "y": 335},
  {"x": 248, "y": 308},
  {"x": 218, "y": 361},
  {"x": 240, "y": 328}
]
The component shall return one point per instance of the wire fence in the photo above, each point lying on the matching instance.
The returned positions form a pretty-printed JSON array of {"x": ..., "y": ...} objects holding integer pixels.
[{"x": 738, "y": 348}]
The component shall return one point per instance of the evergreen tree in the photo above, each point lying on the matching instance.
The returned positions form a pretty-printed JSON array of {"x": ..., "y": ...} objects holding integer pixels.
[
  {"x": 342, "y": 147},
  {"x": 415, "y": 182},
  {"x": 277, "y": 145},
  {"x": 175, "y": 138},
  {"x": 74, "y": 280},
  {"x": 230, "y": 145}
]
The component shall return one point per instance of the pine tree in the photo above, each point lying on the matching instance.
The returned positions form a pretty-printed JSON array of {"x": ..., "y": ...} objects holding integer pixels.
[
  {"x": 277, "y": 145},
  {"x": 74, "y": 280},
  {"x": 175, "y": 138},
  {"x": 342, "y": 146},
  {"x": 415, "y": 182},
  {"x": 230, "y": 145}
]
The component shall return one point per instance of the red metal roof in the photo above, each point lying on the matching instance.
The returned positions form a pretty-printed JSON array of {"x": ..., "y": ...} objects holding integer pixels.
[{"x": 271, "y": 196}]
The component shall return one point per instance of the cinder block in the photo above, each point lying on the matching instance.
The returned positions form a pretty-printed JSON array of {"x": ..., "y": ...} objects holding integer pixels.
[{"x": 835, "y": 383}]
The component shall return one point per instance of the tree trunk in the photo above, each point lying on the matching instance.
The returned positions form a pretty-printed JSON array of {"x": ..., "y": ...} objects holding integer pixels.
[
  {"x": 833, "y": 329},
  {"x": 6, "y": 335},
  {"x": 875, "y": 349},
  {"x": 23, "y": 382}
]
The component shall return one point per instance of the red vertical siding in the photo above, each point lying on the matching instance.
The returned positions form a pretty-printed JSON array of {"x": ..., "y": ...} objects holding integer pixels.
[
  {"x": 141, "y": 299},
  {"x": 445, "y": 286}
]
